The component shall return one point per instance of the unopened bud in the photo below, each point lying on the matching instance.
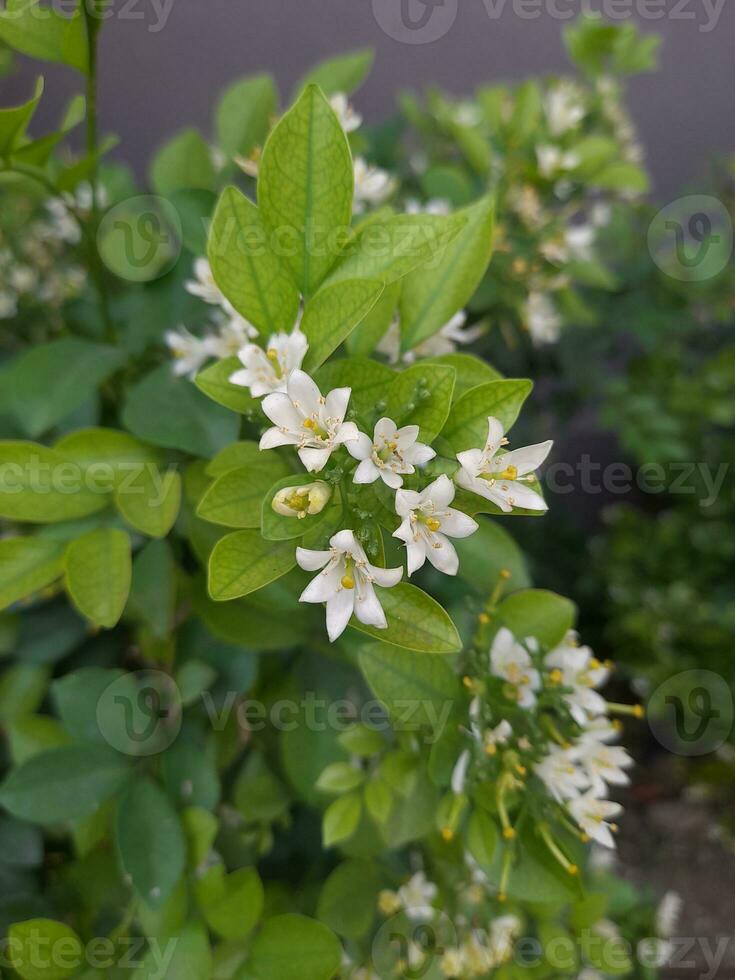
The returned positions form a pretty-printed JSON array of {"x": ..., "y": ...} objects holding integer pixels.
[{"x": 311, "y": 498}]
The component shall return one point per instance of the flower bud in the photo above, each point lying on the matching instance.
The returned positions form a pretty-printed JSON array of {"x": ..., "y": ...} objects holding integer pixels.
[{"x": 311, "y": 498}]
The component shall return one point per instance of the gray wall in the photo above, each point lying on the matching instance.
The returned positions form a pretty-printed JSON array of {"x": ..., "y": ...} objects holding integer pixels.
[{"x": 159, "y": 72}]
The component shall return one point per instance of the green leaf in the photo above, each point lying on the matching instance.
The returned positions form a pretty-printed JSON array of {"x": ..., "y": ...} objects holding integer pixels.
[
  {"x": 389, "y": 248},
  {"x": 622, "y": 176},
  {"x": 370, "y": 331},
  {"x": 117, "y": 450},
  {"x": 487, "y": 553},
  {"x": 348, "y": 899},
  {"x": 150, "y": 502},
  {"x": 66, "y": 783},
  {"x": 247, "y": 270},
  {"x": 34, "y": 734},
  {"x": 244, "y": 112},
  {"x": 191, "y": 959},
  {"x": 305, "y": 187},
  {"x": 13, "y": 122},
  {"x": 150, "y": 842},
  {"x": 48, "y": 382},
  {"x": 258, "y": 624},
  {"x": 333, "y": 313},
  {"x": 184, "y": 163},
  {"x": 152, "y": 599},
  {"x": 466, "y": 426},
  {"x": 98, "y": 572},
  {"x": 470, "y": 371},
  {"x": 236, "y": 498},
  {"x": 341, "y": 819},
  {"x": 278, "y": 527},
  {"x": 244, "y": 562},
  {"x": 417, "y": 691},
  {"x": 171, "y": 412},
  {"x": 40, "y": 949},
  {"x": 241, "y": 454},
  {"x": 340, "y": 777},
  {"x": 365, "y": 377},
  {"x": 214, "y": 381},
  {"x": 42, "y": 486},
  {"x": 482, "y": 838},
  {"x": 292, "y": 947},
  {"x": 62, "y": 38},
  {"x": 231, "y": 903},
  {"x": 415, "y": 621},
  {"x": 431, "y": 296},
  {"x": 422, "y": 395},
  {"x": 27, "y": 565},
  {"x": 22, "y": 688},
  {"x": 340, "y": 74},
  {"x": 535, "y": 612}
]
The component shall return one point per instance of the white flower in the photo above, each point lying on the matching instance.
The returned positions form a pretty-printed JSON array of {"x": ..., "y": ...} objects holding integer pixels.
[
  {"x": 349, "y": 119},
  {"x": 250, "y": 165},
  {"x": 552, "y": 160},
  {"x": 560, "y": 774},
  {"x": 436, "y": 205},
  {"x": 467, "y": 114},
  {"x": 23, "y": 278},
  {"x": 311, "y": 498},
  {"x": 190, "y": 353},
  {"x": 502, "y": 477},
  {"x": 204, "y": 286},
  {"x": 304, "y": 418},
  {"x": 373, "y": 186},
  {"x": 512, "y": 662},
  {"x": 452, "y": 335},
  {"x": 428, "y": 523},
  {"x": 581, "y": 673},
  {"x": 592, "y": 814},
  {"x": 63, "y": 223},
  {"x": 268, "y": 371},
  {"x": 459, "y": 773},
  {"x": 599, "y": 729},
  {"x": 346, "y": 583},
  {"x": 604, "y": 765},
  {"x": 667, "y": 914},
  {"x": 564, "y": 108},
  {"x": 499, "y": 735},
  {"x": 390, "y": 453},
  {"x": 417, "y": 895},
  {"x": 231, "y": 336},
  {"x": 542, "y": 317},
  {"x": 503, "y": 932}
]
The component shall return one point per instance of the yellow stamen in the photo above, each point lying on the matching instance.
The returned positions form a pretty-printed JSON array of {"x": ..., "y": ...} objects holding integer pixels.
[
  {"x": 483, "y": 618},
  {"x": 433, "y": 524},
  {"x": 508, "y": 833},
  {"x": 348, "y": 582},
  {"x": 510, "y": 473},
  {"x": 447, "y": 834},
  {"x": 556, "y": 676}
]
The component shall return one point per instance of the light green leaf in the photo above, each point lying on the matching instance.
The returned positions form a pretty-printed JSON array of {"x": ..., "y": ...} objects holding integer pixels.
[
  {"x": 348, "y": 899},
  {"x": 33, "y": 735},
  {"x": 66, "y": 783},
  {"x": 487, "y": 553},
  {"x": 40, "y": 485},
  {"x": 466, "y": 426},
  {"x": 236, "y": 498},
  {"x": 471, "y": 371},
  {"x": 365, "y": 377},
  {"x": 333, "y": 313},
  {"x": 171, "y": 412},
  {"x": 241, "y": 454},
  {"x": 622, "y": 176},
  {"x": 42, "y": 949},
  {"x": 305, "y": 187},
  {"x": 26, "y": 566},
  {"x": 214, "y": 381},
  {"x": 184, "y": 163},
  {"x": 370, "y": 331},
  {"x": 61, "y": 38},
  {"x": 535, "y": 612},
  {"x": 117, "y": 450},
  {"x": 340, "y": 777},
  {"x": 431, "y": 296},
  {"x": 341, "y": 819},
  {"x": 150, "y": 502},
  {"x": 247, "y": 269},
  {"x": 482, "y": 837},
  {"x": 258, "y": 624},
  {"x": 244, "y": 113},
  {"x": 389, "y": 248},
  {"x": 415, "y": 621},
  {"x": 422, "y": 395},
  {"x": 191, "y": 960},
  {"x": 417, "y": 690},
  {"x": 244, "y": 562},
  {"x": 98, "y": 572},
  {"x": 231, "y": 903},
  {"x": 22, "y": 688},
  {"x": 13, "y": 122},
  {"x": 150, "y": 842},
  {"x": 340, "y": 74},
  {"x": 292, "y": 947},
  {"x": 48, "y": 382}
]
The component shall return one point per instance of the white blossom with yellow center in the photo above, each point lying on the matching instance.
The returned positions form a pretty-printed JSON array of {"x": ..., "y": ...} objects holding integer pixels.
[{"x": 428, "y": 524}]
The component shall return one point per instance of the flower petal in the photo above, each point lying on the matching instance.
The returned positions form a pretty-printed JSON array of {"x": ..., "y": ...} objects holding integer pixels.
[
  {"x": 456, "y": 524},
  {"x": 310, "y": 560},
  {"x": 336, "y": 402},
  {"x": 444, "y": 558},
  {"x": 367, "y": 607},
  {"x": 529, "y": 458},
  {"x": 361, "y": 447},
  {"x": 314, "y": 459},
  {"x": 303, "y": 392},
  {"x": 366, "y": 472},
  {"x": 386, "y": 577},
  {"x": 339, "y": 611}
]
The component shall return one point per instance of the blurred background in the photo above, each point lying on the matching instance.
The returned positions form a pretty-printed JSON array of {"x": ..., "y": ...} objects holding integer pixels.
[{"x": 176, "y": 55}]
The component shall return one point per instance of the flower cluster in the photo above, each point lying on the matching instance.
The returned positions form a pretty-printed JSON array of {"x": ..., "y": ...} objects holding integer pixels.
[{"x": 316, "y": 426}]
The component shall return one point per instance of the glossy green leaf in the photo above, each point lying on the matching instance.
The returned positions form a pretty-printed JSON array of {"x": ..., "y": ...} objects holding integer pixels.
[
  {"x": 415, "y": 621},
  {"x": 246, "y": 266},
  {"x": 333, "y": 313},
  {"x": 244, "y": 112},
  {"x": 293, "y": 947},
  {"x": 422, "y": 395},
  {"x": 98, "y": 572},
  {"x": 13, "y": 122},
  {"x": 26, "y": 566},
  {"x": 305, "y": 187},
  {"x": 42, "y": 949},
  {"x": 466, "y": 426},
  {"x": 214, "y": 381},
  {"x": 340, "y": 74},
  {"x": 538, "y": 613},
  {"x": 231, "y": 903},
  {"x": 341, "y": 819},
  {"x": 244, "y": 562},
  {"x": 348, "y": 899},
  {"x": 183, "y": 163},
  {"x": 42, "y": 486},
  {"x": 487, "y": 553},
  {"x": 61, "y": 39},
  {"x": 470, "y": 371},
  {"x": 236, "y": 498},
  {"x": 150, "y": 502}
]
